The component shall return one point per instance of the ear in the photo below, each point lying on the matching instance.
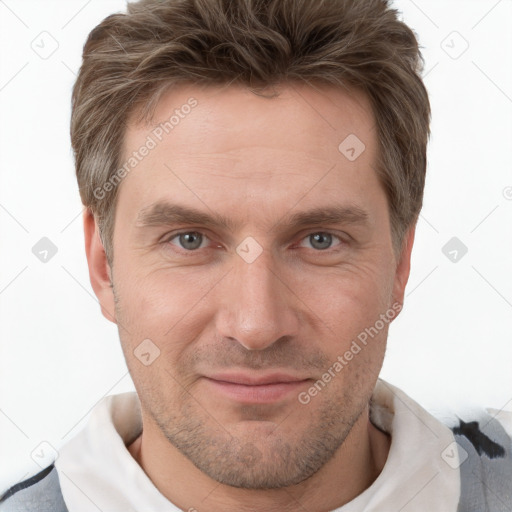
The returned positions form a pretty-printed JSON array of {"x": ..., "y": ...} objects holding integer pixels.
[
  {"x": 403, "y": 267},
  {"x": 99, "y": 269}
]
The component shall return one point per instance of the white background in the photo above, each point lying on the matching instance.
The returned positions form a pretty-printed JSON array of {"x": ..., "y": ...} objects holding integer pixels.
[{"x": 449, "y": 349}]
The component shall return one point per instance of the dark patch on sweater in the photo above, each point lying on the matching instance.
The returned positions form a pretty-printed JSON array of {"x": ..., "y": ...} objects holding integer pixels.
[
  {"x": 481, "y": 442},
  {"x": 26, "y": 483}
]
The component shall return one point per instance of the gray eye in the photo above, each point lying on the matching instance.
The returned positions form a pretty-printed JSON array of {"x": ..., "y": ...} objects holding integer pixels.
[
  {"x": 190, "y": 240},
  {"x": 320, "y": 240}
]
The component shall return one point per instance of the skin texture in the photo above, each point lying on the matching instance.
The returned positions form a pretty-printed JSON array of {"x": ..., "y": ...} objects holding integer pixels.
[{"x": 294, "y": 309}]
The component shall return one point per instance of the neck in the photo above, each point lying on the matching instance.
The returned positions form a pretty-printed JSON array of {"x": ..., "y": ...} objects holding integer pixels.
[{"x": 352, "y": 469}]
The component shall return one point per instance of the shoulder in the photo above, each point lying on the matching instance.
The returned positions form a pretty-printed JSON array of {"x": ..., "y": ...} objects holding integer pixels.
[
  {"x": 484, "y": 446},
  {"x": 40, "y": 493}
]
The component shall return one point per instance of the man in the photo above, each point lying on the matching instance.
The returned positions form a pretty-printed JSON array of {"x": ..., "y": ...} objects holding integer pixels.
[{"x": 253, "y": 172}]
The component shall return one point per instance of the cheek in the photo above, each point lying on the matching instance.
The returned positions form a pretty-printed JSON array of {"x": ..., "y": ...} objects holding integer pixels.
[
  {"x": 165, "y": 307},
  {"x": 346, "y": 300},
  {"x": 159, "y": 327}
]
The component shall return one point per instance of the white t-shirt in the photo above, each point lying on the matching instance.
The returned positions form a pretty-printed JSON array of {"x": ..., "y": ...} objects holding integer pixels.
[{"x": 97, "y": 471}]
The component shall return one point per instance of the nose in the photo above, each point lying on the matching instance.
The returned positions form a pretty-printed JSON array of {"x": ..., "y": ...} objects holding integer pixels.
[{"x": 257, "y": 306}]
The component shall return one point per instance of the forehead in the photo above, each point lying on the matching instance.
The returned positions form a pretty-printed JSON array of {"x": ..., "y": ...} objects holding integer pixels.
[
  {"x": 225, "y": 140},
  {"x": 297, "y": 114}
]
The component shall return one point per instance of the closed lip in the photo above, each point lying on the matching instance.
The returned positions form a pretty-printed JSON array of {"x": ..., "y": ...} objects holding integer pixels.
[{"x": 247, "y": 379}]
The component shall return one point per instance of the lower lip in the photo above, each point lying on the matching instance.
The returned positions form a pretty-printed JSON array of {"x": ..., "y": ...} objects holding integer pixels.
[{"x": 263, "y": 393}]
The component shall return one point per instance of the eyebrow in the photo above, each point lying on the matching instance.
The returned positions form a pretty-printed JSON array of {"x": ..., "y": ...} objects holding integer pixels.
[{"x": 163, "y": 213}]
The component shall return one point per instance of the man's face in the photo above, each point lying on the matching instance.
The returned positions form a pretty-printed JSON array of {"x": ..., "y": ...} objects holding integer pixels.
[{"x": 289, "y": 261}]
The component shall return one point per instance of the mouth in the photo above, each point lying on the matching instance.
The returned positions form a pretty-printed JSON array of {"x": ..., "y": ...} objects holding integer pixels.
[{"x": 253, "y": 388}]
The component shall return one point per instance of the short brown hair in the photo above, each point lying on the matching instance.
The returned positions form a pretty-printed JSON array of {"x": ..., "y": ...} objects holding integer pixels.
[{"x": 130, "y": 59}]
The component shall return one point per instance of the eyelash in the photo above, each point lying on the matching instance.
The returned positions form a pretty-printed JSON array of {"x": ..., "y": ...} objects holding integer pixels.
[{"x": 168, "y": 239}]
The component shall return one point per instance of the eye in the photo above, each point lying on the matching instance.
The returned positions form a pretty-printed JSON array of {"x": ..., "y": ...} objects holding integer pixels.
[
  {"x": 189, "y": 240},
  {"x": 193, "y": 240},
  {"x": 320, "y": 240}
]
